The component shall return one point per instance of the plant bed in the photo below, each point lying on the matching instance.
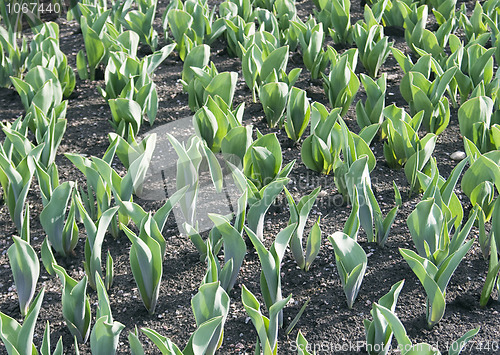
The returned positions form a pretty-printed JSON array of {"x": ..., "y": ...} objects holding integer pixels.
[{"x": 327, "y": 323}]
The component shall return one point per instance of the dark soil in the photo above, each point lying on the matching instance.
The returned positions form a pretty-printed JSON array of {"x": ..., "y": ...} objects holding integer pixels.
[{"x": 327, "y": 322}]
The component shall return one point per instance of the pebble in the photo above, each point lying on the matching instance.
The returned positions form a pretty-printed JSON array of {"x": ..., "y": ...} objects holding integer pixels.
[
  {"x": 322, "y": 193},
  {"x": 458, "y": 155}
]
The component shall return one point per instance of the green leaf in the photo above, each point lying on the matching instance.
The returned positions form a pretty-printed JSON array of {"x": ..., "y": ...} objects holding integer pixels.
[
  {"x": 163, "y": 344},
  {"x": 458, "y": 345},
  {"x": 426, "y": 273},
  {"x": 234, "y": 246},
  {"x": 146, "y": 264},
  {"x": 94, "y": 47},
  {"x": 25, "y": 270},
  {"x": 313, "y": 245},
  {"x": 75, "y": 305},
  {"x": 351, "y": 263},
  {"x": 274, "y": 97},
  {"x": 298, "y": 114},
  {"x": 19, "y": 339},
  {"x": 257, "y": 209},
  {"x": 425, "y": 224},
  {"x": 135, "y": 344}
]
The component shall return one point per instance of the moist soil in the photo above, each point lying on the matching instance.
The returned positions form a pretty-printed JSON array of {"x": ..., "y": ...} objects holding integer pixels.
[{"x": 327, "y": 323}]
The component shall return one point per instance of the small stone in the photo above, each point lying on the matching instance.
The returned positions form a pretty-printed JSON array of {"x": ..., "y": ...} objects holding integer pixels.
[
  {"x": 458, "y": 155},
  {"x": 322, "y": 193}
]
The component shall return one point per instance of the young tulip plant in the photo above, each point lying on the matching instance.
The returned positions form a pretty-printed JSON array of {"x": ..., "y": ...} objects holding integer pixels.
[
  {"x": 405, "y": 344},
  {"x": 130, "y": 78},
  {"x": 321, "y": 150},
  {"x": 192, "y": 23},
  {"x": 198, "y": 57},
  {"x": 13, "y": 54},
  {"x": 236, "y": 143},
  {"x": 274, "y": 93},
  {"x": 210, "y": 307},
  {"x": 48, "y": 134},
  {"x": 188, "y": 173},
  {"x": 342, "y": 84},
  {"x": 373, "y": 15},
  {"x": 274, "y": 98},
  {"x": 234, "y": 251},
  {"x": 43, "y": 47},
  {"x": 353, "y": 147},
  {"x": 75, "y": 305},
  {"x": 257, "y": 64},
  {"x": 435, "y": 42},
  {"x": 270, "y": 260},
  {"x": 15, "y": 131},
  {"x": 351, "y": 263},
  {"x": 376, "y": 226},
  {"x": 335, "y": 15},
  {"x": 268, "y": 22},
  {"x": 149, "y": 224},
  {"x": 310, "y": 37},
  {"x": 443, "y": 191},
  {"x": 476, "y": 68},
  {"x": 266, "y": 38},
  {"x": 48, "y": 130},
  {"x": 141, "y": 22},
  {"x": 371, "y": 112},
  {"x": 213, "y": 121},
  {"x": 93, "y": 244},
  {"x": 232, "y": 8},
  {"x": 422, "y": 94},
  {"x": 475, "y": 120},
  {"x": 60, "y": 227},
  {"x": 123, "y": 188},
  {"x": 420, "y": 162},
  {"x": 298, "y": 113},
  {"x": 88, "y": 60},
  {"x": 146, "y": 262},
  {"x": 263, "y": 161},
  {"x": 25, "y": 268},
  {"x": 474, "y": 25},
  {"x": 128, "y": 151},
  {"x": 438, "y": 254},
  {"x": 97, "y": 198},
  {"x": 41, "y": 88},
  {"x": 481, "y": 180},
  {"x": 299, "y": 213},
  {"x": 238, "y": 31},
  {"x": 394, "y": 12},
  {"x": 421, "y": 40},
  {"x": 373, "y": 47},
  {"x": 18, "y": 339},
  {"x": 443, "y": 10},
  {"x": 209, "y": 82},
  {"x": 16, "y": 180},
  {"x": 265, "y": 177},
  {"x": 401, "y": 129},
  {"x": 267, "y": 328},
  {"x": 106, "y": 332},
  {"x": 378, "y": 331}
]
